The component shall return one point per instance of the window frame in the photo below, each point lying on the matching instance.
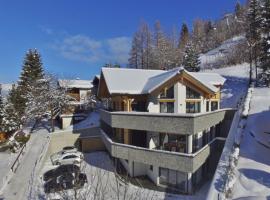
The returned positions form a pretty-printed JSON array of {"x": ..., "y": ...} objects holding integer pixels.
[
  {"x": 216, "y": 107},
  {"x": 188, "y": 110},
  {"x": 192, "y": 94},
  {"x": 166, "y": 106}
]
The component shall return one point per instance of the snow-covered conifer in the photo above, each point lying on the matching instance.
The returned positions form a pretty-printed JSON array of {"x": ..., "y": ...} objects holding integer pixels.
[
  {"x": 265, "y": 34},
  {"x": 11, "y": 120},
  {"x": 45, "y": 97},
  {"x": 32, "y": 71},
  {"x": 191, "y": 60},
  {"x": 1, "y": 108}
]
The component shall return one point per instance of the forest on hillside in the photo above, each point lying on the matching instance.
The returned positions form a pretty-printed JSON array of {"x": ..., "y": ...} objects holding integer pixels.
[{"x": 153, "y": 48}]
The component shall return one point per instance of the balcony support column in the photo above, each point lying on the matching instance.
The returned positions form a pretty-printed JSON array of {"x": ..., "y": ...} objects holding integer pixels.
[
  {"x": 189, "y": 183},
  {"x": 127, "y": 136},
  {"x": 189, "y": 143}
]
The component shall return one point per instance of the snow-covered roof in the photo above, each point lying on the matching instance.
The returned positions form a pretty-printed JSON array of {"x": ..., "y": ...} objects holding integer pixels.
[
  {"x": 155, "y": 81},
  {"x": 82, "y": 84},
  {"x": 140, "y": 81},
  {"x": 127, "y": 81},
  {"x": 209, "y": 78}
]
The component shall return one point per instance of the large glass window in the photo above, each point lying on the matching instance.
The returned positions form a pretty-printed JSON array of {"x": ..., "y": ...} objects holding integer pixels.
[
  {"x": 214, "y": 105},
  {"x": 167, "y": 93},
  {"x": 172, "y": 142},
  {"x": 138, "y": 106},
  {"x": 192, "y": 94},
  {"x": 166, "y": 107},
  {"x": 172, "y": 178},
  {"x": 193, "y": 107}
]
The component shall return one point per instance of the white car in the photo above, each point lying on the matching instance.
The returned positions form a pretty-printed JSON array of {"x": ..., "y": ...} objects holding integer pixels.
[{"x": 63, "y": 157}]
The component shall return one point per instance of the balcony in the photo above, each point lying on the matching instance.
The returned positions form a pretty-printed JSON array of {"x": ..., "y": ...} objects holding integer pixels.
[
  {"x": 75, "y": 96},
  {"x": 172, "y": 160},
  {"x": 183, "y": 124}
]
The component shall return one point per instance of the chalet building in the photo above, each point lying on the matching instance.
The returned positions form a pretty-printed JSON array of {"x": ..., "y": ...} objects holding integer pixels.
[
  {"x": 78, "y": 92},
  {"x": 166, "y": 125}
]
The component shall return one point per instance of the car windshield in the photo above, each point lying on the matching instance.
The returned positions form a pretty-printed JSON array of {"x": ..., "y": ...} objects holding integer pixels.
[
  {"x": 70, "y": 156},
  {"x": 68, "y": 148}
]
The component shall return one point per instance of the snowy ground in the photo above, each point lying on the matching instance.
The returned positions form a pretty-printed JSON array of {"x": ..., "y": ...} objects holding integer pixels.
[
  {"x": 100, "y": 174},
  {"x": 91, "y": 121},
  {"x": 19, "y": 187},
  {"x": 213, "y": 57},
  {"x": 253, "y": 171},
  {"x": 7, "y": 159},
  {"x": 236, "y": 84}
]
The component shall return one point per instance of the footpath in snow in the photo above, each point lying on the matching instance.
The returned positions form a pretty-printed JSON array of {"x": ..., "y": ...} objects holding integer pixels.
[
  {"x": 253, "y": 169},
  {"x": 20, "y": 184}
]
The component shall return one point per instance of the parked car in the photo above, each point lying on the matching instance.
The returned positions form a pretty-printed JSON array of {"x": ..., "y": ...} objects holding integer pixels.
[
  {"x": 64, "y": 182},
  {"x": 70, "y": 149},
  {"x": 67, "y": 158},
  {"x": 70, "y": 168}
]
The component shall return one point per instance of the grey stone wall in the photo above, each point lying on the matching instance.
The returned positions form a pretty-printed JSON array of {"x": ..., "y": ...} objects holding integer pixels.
[
  {"x": 172, "y": 160},
  {"x": 185, "y": 124}
]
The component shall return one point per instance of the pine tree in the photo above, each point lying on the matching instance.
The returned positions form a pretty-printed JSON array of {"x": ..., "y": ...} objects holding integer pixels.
[
  {"x": 265, "y": 33},
  {"x": 253, "y": 32},
  {"x": 238, "y": 10},
  {"x": 1, "y": 108},
  {"x": 191, "y": 60},
  {"x": 184, "y": 36},
  {"x": 11, "y": 117},
  {"x": 32, "y": 71}
]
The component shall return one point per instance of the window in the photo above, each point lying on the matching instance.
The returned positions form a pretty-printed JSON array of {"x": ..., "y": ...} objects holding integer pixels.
[
  {"x": 214, "y": 105},
  {"x": 192, "y": 94},
  {"x": 167, "y": 93},
  {"x": 138, "y": 106},
  {"x": 193, "y": 107},
  {"x": 167, "y": 107},
  {"x": 207, "y": 106},
  {"x": 172, "y": 142},
  {"x": 151, "y": 167},
  {"x": 172, "y": 178}
]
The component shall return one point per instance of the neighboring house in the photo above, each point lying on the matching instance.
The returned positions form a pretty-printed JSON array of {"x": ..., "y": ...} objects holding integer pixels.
[
  {"x": 79, "y": 92},
  {"x": 166, "y": 125}
]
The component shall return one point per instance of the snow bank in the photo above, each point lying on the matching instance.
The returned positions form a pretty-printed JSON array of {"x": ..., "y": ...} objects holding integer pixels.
[
  {"x": 234, "y": 156},
  {"x": 247, "y": 102},
  {"x": 91, "y": 121}
]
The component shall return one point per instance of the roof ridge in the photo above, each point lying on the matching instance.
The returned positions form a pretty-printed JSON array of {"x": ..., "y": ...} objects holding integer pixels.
[{"x": 135, "y": 69}]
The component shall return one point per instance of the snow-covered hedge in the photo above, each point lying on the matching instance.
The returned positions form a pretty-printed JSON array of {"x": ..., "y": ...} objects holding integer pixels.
[
  {"x": 233, "y": 159},
  {"x": 247, "y": 102}
]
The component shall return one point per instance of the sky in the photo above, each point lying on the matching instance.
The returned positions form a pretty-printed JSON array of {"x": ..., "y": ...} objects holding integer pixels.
[{"x": 76, "y": 38}]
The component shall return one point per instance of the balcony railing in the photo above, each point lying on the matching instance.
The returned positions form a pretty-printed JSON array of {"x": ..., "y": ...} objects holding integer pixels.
[
  {"x": 185, "y": 124},
  {"x": 75, "y": 96},
  {"x": 172, "y": 160}
]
